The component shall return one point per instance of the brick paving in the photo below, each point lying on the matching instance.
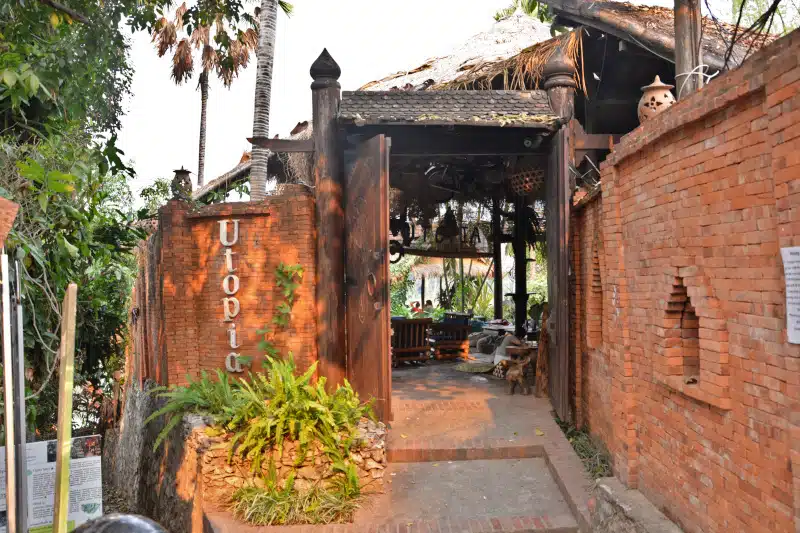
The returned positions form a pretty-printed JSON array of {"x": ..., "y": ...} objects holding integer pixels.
[{"x": 465, "y": 457}]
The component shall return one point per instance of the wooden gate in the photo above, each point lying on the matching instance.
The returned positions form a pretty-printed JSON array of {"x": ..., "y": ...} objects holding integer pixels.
[
  {"x": 367, "y": 273},
  {"x": 558, "y": 196}
]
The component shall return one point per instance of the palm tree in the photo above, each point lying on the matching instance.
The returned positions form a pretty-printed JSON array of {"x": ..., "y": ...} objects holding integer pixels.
[
  {"x": 268, "y": 21},
  {"x": 231, "y": 54}
]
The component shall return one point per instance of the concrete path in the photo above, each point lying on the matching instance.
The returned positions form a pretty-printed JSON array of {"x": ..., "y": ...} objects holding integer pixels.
[{"x": 465, "y": 457}]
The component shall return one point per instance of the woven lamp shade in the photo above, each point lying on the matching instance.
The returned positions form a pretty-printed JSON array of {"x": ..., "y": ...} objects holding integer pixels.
[{"x": 527, "y": 181}]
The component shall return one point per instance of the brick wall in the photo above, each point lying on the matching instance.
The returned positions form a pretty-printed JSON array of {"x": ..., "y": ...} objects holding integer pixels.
[
  {"x": 691, "y": 383},
  {"x": 178, "y": 322}
]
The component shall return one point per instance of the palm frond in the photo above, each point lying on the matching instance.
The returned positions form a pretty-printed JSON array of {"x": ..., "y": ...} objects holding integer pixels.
[{"x": 182, "y": 62}]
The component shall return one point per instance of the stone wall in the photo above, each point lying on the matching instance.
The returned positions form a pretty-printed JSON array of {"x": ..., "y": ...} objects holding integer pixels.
[
  {"x": 178, "y": 320},
  {"x": 691, "y": 383},
  {"x": 221, "y": 477}
]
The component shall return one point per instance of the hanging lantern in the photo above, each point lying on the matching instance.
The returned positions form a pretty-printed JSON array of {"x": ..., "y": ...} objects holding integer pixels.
[{"x": 526, "y": 182}]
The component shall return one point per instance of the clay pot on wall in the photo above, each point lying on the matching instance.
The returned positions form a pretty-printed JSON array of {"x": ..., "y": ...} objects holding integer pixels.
[{"x": 656, "y": 98}]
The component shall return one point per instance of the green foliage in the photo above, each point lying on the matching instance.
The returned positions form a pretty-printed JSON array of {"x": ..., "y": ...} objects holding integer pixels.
[
  {"x": 56, "y": 71},
  {"x": 786, "y": 18},
  {"x": 533, "y": 8},
  {"x": 281, "y": 405},
  {"x": 400, "y": 284},
  {"x": 74, "y": 225},
  {"x": 261, "y": 415},
  {"x": 595, "y": 458},
  {"x": 155, "y": 196},
  {"x": 215, "y": 398},
  {"x": 287, "y": 279}
]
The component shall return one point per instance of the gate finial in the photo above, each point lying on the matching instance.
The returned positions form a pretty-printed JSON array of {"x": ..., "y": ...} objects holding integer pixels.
[{"x": 325, "y": 71}]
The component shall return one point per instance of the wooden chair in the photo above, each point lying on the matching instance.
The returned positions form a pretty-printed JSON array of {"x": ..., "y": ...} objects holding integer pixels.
[
  {"x": 410, "y": 339},
  {"x": 450, "y": 341}
]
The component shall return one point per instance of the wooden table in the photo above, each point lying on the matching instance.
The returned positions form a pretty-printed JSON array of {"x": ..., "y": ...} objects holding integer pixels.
[{"x": 498, "y": 329}]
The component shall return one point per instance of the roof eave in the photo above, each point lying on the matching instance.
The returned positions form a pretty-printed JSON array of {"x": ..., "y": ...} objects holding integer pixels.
[{"x": 587, "y": 14}]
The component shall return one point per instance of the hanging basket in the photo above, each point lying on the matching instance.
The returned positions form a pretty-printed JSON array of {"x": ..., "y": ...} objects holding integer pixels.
[{"x": 527, "y": 181}]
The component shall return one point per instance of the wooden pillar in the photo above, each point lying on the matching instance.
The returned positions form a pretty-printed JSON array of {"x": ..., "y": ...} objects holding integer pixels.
[
  {"x": 422, "y": 290},
  {"x": 497, "y": 255},
  {"x": 520, "y": 266},
  {"x": 328, "y": 180},
  {"x": 559, "y": 82},
  {"x": 560, "y": 85},
  {"x": 687, "y": 47}
]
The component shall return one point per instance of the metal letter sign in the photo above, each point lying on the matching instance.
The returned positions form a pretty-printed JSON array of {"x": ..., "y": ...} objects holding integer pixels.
[{"x": 230, "y": 286}]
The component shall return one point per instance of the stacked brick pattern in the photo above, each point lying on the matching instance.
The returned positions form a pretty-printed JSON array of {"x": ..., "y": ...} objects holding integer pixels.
[
  {"x": 700, "y": 199},
  {"x": 180, "y": 329}
]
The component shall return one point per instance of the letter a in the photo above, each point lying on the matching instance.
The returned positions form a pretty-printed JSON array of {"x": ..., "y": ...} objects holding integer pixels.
[{"x": 223, "y": 232}]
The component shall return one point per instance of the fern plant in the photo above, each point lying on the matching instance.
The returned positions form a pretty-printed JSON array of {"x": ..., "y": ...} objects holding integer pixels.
[
  {"x": 218, "y": 399},
  {"x": 281, "y": 405}
]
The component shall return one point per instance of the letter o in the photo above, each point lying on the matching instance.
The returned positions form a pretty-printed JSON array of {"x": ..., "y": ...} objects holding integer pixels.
[{"x": 226, "y": 284}]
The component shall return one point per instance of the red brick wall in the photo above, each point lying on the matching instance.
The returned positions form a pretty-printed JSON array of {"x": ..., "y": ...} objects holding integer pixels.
[
  {"x": 180, "y": 329},
  {"x": 695, "y": 206},
  {"x": 8, "y": 213}
]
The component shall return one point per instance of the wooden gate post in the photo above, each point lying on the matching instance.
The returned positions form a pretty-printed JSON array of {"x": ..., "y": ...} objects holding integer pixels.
[
  {"x": 560, "y": 84},
  {"x": 328, "y": 180}
]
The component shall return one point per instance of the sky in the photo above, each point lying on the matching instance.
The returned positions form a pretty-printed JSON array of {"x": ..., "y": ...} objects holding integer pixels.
[{"x": 370, "y": 39}]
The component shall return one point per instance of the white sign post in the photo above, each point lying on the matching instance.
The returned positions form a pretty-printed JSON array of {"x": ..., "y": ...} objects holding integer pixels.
[
  {"x": 791, "y": 272},
  {"x": 85, "y": 484}
]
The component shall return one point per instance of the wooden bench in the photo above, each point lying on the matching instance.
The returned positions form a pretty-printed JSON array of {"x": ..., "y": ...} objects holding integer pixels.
[
  {"x": 450, "y": 341},
  {"x": 410, "y": 339}
]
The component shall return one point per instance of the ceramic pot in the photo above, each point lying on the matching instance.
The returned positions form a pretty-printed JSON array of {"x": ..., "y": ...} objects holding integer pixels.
[{"x": 656, "y": 98}]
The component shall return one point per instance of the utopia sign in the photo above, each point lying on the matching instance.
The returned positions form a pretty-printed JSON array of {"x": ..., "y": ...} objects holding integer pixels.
[{"x": 230, "y": 286}]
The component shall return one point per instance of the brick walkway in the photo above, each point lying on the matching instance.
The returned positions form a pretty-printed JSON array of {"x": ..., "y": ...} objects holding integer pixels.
[{"x": 466, "y": 458}]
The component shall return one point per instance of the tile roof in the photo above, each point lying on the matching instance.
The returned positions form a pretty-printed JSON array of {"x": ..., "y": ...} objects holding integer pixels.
[{"x": 479, "y": 108}]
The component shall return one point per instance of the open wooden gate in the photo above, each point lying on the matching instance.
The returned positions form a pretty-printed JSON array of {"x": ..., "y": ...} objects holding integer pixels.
[
  {"x": 558, "y": 197},
  {"x": 367, "y": 273}
]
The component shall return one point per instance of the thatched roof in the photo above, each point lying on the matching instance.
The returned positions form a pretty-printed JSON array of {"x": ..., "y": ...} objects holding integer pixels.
[
  {"x": 653, "y": 28},
  {"x": 516, "y": 48},
  {"x": 226, "y": 181},
  {"x": 505, "y": 39},
  {"x": 433, "y": 267}
]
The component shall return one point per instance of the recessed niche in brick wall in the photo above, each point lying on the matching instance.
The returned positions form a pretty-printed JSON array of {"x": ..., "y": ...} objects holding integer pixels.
[
  {"x": 692, "y": 353},
  {"x": 594, "y": 315}
]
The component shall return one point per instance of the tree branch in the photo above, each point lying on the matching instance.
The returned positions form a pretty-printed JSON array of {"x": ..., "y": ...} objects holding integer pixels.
[{"x": 64, "y": 9}]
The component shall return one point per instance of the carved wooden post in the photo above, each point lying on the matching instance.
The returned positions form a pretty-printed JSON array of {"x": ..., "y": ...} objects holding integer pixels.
[
  {"x": 559, "y": 82},
  {"x": 520, "y": 266},
  {"x": 328, "y": 180},
  {"x": 687, "y": 47},
  {"x": 497, "y": 257}
]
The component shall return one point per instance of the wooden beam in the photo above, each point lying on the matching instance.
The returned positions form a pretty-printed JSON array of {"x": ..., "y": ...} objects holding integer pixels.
[
  {"x": 497, "y": 254},
  {"x": 438, "y": 141},
  {"x": 595, "y": 141},
  {"x": 449, "y": 255},
  {"x": 688, "y": 74},
  {"x": 283, "y": 145},
  {"x": 65, "y": 386},
  {"x": 520, "y": 266}
]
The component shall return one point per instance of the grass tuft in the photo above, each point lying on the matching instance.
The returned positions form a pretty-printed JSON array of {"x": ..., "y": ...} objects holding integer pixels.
[
  {"x": 596, "y": 460},
  {"x": 270, "y": 506}
]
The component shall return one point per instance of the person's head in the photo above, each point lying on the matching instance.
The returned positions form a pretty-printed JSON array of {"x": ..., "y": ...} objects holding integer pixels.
[{"x": 428, "y": 303}]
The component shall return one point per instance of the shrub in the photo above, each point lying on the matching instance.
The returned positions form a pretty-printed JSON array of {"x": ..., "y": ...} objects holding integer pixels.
[
  {"x": 218, "y": 399},
  {"x": 281, "y": 405}
]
